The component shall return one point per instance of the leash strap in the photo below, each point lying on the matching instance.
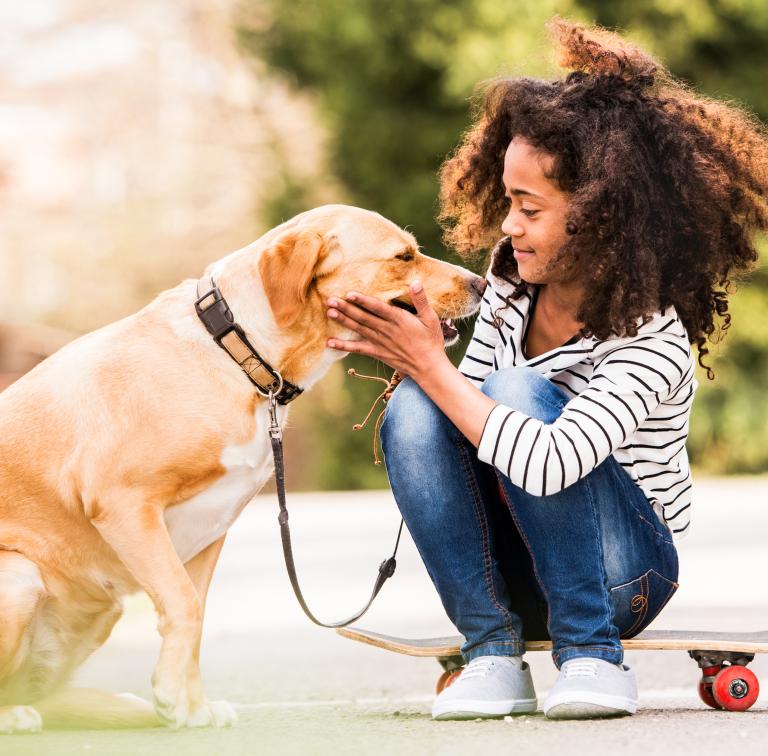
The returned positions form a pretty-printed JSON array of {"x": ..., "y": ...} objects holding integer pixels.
[
  {"x": 214, "y": 312},
  {"x": 386, "y": 568}
]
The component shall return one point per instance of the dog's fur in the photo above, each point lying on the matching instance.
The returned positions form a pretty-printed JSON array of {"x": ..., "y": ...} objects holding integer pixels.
[{"x": 126, "y": 456}]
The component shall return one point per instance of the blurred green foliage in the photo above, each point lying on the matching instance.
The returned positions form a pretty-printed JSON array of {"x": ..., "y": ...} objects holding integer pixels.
[
  {"x": 393, "y": 81},
  {"x": 717, "y": 45}
]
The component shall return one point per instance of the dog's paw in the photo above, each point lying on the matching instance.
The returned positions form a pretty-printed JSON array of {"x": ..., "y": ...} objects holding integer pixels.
[
  {"x": 207, "y": 714},
  {"x": 20, "y": 719},
  {"x": 224, "y": 714},
  {"x": 213, "y": 714},
  {"x": 173, "y": 712}
]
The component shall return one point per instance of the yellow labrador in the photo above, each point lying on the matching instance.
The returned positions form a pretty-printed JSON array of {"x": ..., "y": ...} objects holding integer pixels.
[{"x": 126, "y": 456}]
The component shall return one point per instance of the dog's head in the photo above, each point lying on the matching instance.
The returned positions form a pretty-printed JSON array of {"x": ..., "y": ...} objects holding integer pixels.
[{"x": 335, "y": 249}]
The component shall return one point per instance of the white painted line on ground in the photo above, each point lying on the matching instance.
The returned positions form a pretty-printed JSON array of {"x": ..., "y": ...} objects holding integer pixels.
[
  {"x": 334, "y": 702},
  {"x": 646, "y": 698}
]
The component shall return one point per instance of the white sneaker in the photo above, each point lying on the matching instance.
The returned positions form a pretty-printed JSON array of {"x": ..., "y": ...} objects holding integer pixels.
[
  {"x": 489, "y": 686},
  {"x": 589, "y": 687}
]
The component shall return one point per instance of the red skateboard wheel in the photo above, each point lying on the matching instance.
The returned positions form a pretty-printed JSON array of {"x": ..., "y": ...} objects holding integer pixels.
[
  {"x": 705, "y": 694},
  {"x": 735, "y": 688},
  {"x": 446, "y": 679},
  {"x": 705, "y": 686}
]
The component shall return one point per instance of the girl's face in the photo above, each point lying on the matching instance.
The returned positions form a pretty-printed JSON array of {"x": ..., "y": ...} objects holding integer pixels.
[{"x": 537, "y": 214}]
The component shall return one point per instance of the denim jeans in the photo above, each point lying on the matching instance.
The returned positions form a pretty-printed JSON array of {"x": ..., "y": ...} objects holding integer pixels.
[{"x": 585, "y": 566}]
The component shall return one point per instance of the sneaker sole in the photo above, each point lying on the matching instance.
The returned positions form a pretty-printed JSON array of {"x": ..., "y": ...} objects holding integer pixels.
[
  {"x": 468, "y": 709},
  {"x": 574, "y": 705}
]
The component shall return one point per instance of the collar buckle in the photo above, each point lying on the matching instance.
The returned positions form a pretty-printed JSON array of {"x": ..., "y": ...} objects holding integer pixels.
[{"x": 214, "y": 311}]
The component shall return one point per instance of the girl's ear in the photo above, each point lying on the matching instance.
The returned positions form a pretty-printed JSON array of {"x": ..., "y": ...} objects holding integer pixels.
[{"x": 288, "y": 269}]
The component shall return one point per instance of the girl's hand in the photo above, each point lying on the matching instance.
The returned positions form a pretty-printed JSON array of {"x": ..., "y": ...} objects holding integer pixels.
[{"x": 411, "y": 344}]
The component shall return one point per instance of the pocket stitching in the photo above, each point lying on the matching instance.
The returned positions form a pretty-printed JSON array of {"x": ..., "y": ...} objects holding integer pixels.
[
  {"x": 645, "y": 589},
  {"x": 646, "y": 585}
]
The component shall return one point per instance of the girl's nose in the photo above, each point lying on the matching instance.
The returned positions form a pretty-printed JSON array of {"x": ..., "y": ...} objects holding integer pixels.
[{"x": 512, "y": 228}]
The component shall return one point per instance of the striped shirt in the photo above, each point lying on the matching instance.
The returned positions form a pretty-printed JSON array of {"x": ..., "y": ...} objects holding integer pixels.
[{"x": 629, "y": 397}]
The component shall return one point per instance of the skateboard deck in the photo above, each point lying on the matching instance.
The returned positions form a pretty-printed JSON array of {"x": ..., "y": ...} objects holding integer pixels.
[
  {"x": 650, "y": 640},
  {"x": 726, "y": 683}
]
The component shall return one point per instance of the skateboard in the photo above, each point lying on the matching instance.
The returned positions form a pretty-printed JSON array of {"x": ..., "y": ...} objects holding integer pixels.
[{"x": 726, "y": 683}]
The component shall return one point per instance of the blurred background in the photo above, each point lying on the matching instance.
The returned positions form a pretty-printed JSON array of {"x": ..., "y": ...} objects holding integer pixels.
[{"x": 141, "y": 139}]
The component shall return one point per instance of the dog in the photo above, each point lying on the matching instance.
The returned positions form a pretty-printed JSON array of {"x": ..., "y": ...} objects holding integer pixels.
[{"x": 126, "y": 456}]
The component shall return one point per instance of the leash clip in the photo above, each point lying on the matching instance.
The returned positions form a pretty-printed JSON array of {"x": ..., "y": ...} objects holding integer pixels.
[{"x": 275, "y": 431}]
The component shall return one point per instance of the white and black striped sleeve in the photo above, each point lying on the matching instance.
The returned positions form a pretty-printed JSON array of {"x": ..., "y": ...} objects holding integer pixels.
[
  {"x": 477, "y": 363},
  {"x": 625, "y": 387}
]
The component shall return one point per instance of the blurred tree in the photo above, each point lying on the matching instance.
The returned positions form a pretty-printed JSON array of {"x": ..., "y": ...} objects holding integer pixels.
[
  {"x": 717, "y": 45},
  {"x": 729, "y": 433},
  {"x": 392, "y": 80}
]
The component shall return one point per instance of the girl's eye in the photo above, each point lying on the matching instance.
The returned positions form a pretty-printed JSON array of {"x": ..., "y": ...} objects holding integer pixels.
[{"x": 528, "y": 213}]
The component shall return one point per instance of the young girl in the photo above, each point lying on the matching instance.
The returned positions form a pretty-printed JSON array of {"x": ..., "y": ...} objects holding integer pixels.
[{"x": 546, "y": 481}]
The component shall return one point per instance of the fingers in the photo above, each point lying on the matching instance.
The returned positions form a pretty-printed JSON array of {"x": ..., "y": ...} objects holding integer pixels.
[
  {"x": 347, "y": 314},
  {"x": 359, "y": 322},
  {"x": 376, "y": 306},
  {"x": 358, "y": 347},
  {"x": 420, "y": 301}
]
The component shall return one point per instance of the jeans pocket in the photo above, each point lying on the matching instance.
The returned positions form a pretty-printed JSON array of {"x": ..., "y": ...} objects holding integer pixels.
[{"x": 637, "y": 603}]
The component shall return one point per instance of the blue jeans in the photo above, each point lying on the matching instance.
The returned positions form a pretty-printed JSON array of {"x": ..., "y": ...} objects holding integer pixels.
[{"x": 584, "y": 567}]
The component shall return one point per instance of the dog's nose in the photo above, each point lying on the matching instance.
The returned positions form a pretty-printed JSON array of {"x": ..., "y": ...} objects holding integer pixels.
[{"x": 479, "y": 285}]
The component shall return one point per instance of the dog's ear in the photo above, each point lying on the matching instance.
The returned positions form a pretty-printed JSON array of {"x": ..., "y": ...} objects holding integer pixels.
[{"x": 288, "y": 269}]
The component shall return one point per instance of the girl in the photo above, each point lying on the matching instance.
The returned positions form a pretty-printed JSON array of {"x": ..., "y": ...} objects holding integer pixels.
[{"x": 545, "y": 481}]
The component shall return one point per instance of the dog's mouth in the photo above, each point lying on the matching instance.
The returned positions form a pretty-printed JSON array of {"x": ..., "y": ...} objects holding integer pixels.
[{"x": 450, "y": 333}]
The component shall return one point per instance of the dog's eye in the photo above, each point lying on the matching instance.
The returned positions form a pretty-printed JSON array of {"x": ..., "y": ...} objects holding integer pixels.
[{"x": 405, "y": 256}]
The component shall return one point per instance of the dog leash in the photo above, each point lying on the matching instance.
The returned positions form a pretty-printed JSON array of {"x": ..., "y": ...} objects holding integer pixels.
[
  {"x": 214, "y": 312},
  {"x": 386, "y": 568}
]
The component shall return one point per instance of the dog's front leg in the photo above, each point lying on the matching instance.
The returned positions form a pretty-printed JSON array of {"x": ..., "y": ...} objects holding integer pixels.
[
  {"x": 139, "y": 537},
  {"x": 201, "y": 711}
]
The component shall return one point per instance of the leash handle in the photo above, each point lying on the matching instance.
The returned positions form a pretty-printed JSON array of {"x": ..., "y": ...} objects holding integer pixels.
[{"x": 386, "y": 568}]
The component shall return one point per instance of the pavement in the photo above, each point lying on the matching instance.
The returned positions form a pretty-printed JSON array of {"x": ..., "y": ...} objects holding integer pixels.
[{"x": 301, "y": 689}]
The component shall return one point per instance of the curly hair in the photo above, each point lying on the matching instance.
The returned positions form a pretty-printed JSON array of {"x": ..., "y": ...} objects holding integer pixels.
[{"x": 667, "y": 188}]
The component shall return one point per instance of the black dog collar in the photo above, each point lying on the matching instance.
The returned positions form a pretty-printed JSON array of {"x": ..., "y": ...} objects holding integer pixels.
[{"x": 219, "y": 321}]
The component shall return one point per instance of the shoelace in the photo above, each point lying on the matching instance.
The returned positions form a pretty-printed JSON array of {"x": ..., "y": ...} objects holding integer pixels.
[
  {"x": 581, "y": 669},
  {"x": 479, "y": 667}
]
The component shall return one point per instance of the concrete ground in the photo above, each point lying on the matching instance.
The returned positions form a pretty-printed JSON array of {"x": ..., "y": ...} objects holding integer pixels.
[{"x": 300, "y": 689}]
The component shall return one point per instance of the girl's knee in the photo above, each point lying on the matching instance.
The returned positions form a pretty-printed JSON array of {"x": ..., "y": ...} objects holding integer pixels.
[
  {"x": 411, "y": 416},
  {"x": 407, "y": 397},
  {"x": 525, "y": 390}
]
